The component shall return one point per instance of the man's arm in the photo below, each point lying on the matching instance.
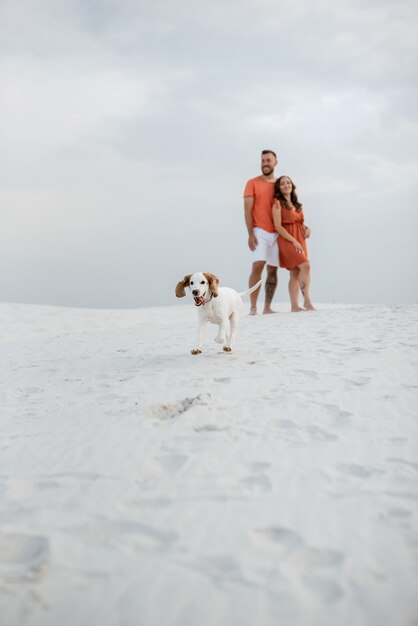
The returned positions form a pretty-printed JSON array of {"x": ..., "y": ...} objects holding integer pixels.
[{"x": 248, "y": 214}]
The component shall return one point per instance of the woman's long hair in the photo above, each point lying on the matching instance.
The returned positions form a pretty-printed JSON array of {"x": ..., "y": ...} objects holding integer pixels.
[{"x": 293, "y": 196}]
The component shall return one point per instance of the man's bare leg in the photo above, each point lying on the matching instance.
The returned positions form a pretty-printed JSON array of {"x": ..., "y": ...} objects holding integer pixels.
[
  {"x": 305, "y": 282},
  {"x": 270, "y": 288},
  {"x": 255, "y": 276},
  {"x": 294, "y": 290}
]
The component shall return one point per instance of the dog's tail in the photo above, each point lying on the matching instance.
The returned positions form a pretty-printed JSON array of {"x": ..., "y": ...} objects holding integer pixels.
[{"x": 250, "y": 290}]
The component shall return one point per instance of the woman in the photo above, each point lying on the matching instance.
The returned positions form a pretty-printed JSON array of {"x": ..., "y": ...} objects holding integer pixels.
[{"x": 293, "y": 255}]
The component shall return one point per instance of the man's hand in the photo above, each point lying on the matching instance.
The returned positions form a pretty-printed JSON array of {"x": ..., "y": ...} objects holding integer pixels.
[
  {"x": 252, "y": 242},
  {"x": 306, "y": 232}
]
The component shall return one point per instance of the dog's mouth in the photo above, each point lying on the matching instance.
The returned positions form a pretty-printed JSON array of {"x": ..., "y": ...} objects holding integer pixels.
[{"x": 199, "y": 300}]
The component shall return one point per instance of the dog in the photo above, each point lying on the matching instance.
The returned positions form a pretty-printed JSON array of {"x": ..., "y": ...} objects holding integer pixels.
[{"x": 218, "y": 305}]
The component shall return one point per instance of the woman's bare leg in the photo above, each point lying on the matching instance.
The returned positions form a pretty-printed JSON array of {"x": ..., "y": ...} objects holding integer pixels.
[
  {"x": 305, "y": 283},
  {"x": 294, "y": 290}
]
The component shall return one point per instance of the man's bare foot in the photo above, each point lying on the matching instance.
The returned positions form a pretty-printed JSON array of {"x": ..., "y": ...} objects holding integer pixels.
[
  {"x": 295, "y": 309},
  {"x": 309, "y": 307},
  {"x": 253, "y": 310},
  {"x": 268, "y": 311}
]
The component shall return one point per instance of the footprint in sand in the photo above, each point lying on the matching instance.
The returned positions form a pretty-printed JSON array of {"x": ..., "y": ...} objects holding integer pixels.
[
  {"x": 357, "y": 471},
  {"x": 20, "y": 553},
  {"x": 309, "y": 373},
  {"x": 170, "y": 411},
  {"x": 133, "y": 534},
  {"x": 209, "y": 428},
  {"x": 326, "y": 590},
  {"x": 316, "y": 558},
  {"x": 361, "y": 381},
  {"x": 284, "y": 540},
  {"x": 287, "y": 424},
  {"x": 257, "y": 482},
  {"x": 222, "y": 568},
  {"x": 399, "y": 514},
  {"x": 312, "y": 564},
  {"x": 407, "y": 464},
  {"x": 318, "y": 434},
  {"x": 63, "y": 478},
  {"x": 304, "y": 557},
  {"x": 162, "y": 467},
  {"x": 259, "y": 466},
  {"x": 172, "y": 462},
  {"x": 335, "y": 411}
]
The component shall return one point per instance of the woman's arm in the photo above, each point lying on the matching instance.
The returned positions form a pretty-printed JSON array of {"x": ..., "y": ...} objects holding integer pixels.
[{"x": 277, "y": 219}]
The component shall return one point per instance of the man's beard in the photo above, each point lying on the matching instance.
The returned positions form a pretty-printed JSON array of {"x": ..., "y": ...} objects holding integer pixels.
[{"x": 268, "y": 172}]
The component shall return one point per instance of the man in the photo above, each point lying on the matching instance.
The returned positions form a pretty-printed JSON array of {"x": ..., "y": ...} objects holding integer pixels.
[{"x": 262, "y": 236}]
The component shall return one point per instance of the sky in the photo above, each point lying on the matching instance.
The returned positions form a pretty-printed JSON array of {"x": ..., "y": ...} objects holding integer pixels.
[{"x": 128, "y": 130}]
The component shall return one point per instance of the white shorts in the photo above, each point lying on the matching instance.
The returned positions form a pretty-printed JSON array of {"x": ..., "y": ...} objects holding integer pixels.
[{"x": 267, "y": 249}]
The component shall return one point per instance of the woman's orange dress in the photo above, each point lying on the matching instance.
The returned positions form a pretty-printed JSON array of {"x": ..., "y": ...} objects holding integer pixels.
[{"x": 292, "y": 221}]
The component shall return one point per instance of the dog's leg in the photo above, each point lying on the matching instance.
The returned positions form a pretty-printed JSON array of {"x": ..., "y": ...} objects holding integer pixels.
[
  {"x": 233, "y": 321},
  {"x": 220, "y": 337},
  {"x": 200, "y": 334}
]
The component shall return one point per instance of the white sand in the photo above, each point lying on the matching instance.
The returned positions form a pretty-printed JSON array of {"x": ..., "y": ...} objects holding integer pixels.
[{"x": 142, "y": 486}]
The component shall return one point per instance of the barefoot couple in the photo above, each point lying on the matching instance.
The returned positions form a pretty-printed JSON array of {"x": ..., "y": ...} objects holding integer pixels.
[{"x": 276, "y": 235}]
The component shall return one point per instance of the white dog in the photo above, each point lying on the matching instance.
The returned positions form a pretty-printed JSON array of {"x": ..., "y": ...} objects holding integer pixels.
[{"x": 218, "y": 305}]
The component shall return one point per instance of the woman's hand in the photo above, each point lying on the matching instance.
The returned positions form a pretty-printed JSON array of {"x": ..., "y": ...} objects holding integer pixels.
[{"x": 298, "y": 247}]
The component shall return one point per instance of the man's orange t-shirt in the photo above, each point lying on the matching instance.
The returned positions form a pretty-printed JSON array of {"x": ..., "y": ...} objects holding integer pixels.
[{"x": 263, "y": 193}]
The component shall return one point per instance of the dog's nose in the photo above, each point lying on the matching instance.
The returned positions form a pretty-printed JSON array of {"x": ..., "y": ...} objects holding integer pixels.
[{"x": 195, "y": 292}]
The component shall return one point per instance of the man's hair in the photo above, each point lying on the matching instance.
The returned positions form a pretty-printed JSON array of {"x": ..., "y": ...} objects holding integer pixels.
[{"x": 269, "y": 152}]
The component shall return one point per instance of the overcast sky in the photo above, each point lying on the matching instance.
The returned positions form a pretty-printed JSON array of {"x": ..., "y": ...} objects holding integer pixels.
[{"x": 129, "y": 129}]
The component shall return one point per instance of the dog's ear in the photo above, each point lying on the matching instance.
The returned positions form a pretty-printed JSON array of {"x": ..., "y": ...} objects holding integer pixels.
[
  {"x": 213, "y": 283},
  {"x": 180, "y": 293}
]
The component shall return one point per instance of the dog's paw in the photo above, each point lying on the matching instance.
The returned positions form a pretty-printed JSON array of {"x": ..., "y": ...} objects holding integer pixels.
[
  {"x": 227, "y": 349},
  {"x": 220, "y": 339},
  {"x": 196, "y": 351}
]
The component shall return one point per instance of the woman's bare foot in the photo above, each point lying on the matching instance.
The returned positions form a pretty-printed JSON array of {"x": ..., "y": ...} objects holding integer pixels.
[
  {"x": 253, "y": 310},
  {"x": 309, "y": 306},
  {"x": 295, "y": 309}
]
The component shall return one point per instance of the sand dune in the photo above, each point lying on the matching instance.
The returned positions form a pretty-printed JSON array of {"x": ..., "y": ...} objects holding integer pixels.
[{"x": 140, "y": 485}]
